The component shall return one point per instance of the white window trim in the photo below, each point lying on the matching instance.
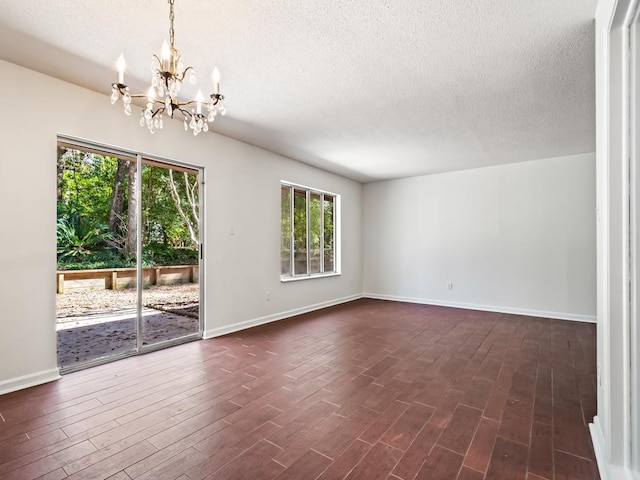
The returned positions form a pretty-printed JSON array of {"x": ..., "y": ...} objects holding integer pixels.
[
  {"x": 337, "y": 267},
  {"x": 286, "y": 279}
]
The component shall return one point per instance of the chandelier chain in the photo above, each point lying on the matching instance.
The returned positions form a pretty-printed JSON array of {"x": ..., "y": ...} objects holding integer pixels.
[{"x": 171, "y": 17}]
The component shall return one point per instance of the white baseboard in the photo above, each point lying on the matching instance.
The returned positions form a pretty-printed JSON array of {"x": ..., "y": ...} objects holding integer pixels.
[
  {"x": 217, "y": 332},
  {"x": 598, "y": 446},
  {"x": 607, "y": 471},
  {"x": 26, "y": 381},
  {"x": 486, "y": 308}
]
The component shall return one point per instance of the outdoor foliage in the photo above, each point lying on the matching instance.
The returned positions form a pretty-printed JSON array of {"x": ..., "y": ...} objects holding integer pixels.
[
  {"x": 157, "y": 254},
  {"x": 95, "y": 197},
  {"x": 107, "y": 258},
  {"x": 78, "y": 237}
]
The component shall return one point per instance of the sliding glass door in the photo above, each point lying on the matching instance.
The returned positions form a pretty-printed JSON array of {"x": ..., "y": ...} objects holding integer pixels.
[
  {"x": 170, "y": 198},
  {"x": 97, "y": 304},
  {"x": 128, "y": 251}
]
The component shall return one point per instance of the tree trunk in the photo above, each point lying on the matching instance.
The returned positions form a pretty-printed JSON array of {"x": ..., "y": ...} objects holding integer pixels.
[
  {"x": 117, "y": 198},
  {"x": 130, "y": 244},
  {"x": 192, "y": 225}
]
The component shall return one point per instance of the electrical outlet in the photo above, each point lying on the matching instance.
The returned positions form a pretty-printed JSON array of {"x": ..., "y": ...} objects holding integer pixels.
[
  {"x": 267, "y": 296},
  {"x": 450, "y": 286}
]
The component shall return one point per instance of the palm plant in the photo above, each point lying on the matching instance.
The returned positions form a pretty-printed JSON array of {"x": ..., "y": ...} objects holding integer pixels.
[{"x": 77, "y": 236}]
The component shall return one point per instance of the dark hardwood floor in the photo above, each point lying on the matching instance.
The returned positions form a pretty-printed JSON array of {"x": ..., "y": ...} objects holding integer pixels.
[{"x": 367, "y": 390}]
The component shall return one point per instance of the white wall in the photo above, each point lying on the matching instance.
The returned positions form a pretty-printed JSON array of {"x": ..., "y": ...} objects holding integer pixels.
[
  {"x": 242, "y": 192},
  {"x": 514, "y": 238}
]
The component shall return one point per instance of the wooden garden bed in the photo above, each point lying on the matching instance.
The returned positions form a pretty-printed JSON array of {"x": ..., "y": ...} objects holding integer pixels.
[{"x": 117, "y": 278}]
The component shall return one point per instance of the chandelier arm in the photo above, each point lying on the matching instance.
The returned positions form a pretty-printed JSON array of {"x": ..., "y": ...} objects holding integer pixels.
[
  {"x": 184, "y": 74},
  {"x": 187, "y": 103},
  {"x": 121, "y": 87},
  {"x": 185, "y": 113},
  {"x": 216, "y": 98},
  {"x": 157, "y": 112}
]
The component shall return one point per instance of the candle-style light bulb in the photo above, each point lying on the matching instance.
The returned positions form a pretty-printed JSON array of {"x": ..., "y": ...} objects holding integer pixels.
[
  {"x": 199, "y": 99},
  {"x": 166, "y": 56},
  {"x": 151, "y": 93},
  {"x": 166, "y": 51},
  {"x": 121, "y": 65},
  {"x": 216, "y": 80}
]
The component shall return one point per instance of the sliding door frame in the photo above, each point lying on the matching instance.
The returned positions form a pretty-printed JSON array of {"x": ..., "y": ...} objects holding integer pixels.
[
  {"x": 163, "y": 162},
  {"x": 634, "y": 236},
  {"x": 616, "y": 429},
  {"x": 139, "y": 158}
]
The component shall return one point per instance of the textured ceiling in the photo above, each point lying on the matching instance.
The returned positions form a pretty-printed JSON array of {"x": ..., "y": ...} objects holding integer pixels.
[{"x": 371, "y": 89}]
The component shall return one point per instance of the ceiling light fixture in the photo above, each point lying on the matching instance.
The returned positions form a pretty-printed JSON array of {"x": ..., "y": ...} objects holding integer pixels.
[{"x": 168, "y": 74}]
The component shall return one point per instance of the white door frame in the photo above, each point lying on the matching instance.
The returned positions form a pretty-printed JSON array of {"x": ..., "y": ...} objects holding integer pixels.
[
  {"x": 139, "y": 158},
  {"x": 616, "y": 430},
  {"x": 634, "y": 238}
]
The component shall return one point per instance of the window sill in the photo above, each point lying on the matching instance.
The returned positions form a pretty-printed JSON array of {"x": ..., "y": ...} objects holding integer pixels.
[{"x": 309, "y": 277}]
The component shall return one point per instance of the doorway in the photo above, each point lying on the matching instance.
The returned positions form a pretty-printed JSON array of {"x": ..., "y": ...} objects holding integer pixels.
[{"x": 128, "y": 250}]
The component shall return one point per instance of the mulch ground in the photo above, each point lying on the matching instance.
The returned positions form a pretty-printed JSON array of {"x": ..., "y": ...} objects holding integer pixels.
[
  {"x": 162, "y": 297},
  {"x": 169, "y": 312}
]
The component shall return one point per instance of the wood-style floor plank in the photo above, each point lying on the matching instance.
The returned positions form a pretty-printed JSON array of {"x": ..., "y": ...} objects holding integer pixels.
[
  {"x": 479, "y": 452},
  {"x": 365, "y": 390},
  {"x": 377, "y": 464}
]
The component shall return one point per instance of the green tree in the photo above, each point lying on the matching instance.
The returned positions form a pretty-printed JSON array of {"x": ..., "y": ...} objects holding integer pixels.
[
  {"x": 85, "y": 184},
  {"x": 100, "y": 190}
]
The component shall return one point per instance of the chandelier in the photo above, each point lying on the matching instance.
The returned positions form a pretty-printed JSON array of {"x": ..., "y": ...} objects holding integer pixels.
[{"x": 168, "y": 74}]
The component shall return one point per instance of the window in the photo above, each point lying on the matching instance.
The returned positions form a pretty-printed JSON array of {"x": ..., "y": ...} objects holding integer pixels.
[{"x": 308, "y": 232}]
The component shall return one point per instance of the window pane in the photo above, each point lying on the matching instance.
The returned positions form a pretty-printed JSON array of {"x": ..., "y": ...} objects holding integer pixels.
[
  {"x": 315, "y": 233},
  {"x": 300, "y": 231},
  {"x": 285, "y": 231},
  {"x": 329, "y": 241}
]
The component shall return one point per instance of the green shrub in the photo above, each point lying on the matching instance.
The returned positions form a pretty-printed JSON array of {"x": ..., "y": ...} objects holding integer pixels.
[
  {"x": 107, "y": 258},
  {"x": 154, "y": 255},
  {"x": 157, "y": 254},
  {"x": 77, "y": 236}
]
